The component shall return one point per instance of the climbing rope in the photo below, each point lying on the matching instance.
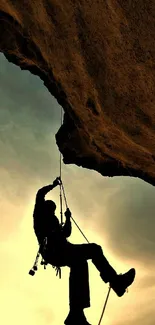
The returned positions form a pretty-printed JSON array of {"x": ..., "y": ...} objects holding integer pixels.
[
  {"x": 107, "y": 297},
  {"x": 104, "y": 307},
  {"x": 61, "y": 212},
  {"x": 63, "y": 190}
]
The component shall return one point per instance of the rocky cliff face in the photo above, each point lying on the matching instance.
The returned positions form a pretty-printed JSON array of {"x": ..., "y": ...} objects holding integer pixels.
[{"x": 98, "y": 59}]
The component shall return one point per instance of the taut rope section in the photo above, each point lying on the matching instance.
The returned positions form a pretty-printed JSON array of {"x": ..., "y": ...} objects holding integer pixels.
[{"x": 61, "y": 212}]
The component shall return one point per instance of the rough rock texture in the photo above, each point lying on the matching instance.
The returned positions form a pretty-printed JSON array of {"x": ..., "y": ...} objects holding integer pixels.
[{"x": 98, "y": 59}]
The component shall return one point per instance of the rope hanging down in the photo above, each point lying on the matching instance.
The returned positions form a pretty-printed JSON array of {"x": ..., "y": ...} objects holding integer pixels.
[
  {"x": 61, "y": 212},
  {"x": 63, "y": 190},
  {"x": 107, "y": 297},
  {"x": 104, "y": 307}
]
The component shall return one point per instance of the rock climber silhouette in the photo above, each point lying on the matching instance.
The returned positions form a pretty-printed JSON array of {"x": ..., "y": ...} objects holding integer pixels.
[{"x": 60, "y": 252}]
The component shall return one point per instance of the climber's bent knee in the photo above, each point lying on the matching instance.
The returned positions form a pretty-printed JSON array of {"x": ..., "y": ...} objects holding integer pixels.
[{"x": 96, "y": 247}]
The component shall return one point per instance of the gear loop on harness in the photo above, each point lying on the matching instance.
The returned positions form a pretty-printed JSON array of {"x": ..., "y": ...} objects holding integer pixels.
[{"x": 58, "y": 270}]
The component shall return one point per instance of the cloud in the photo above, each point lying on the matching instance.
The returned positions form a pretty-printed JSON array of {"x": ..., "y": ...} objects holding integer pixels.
[
  {"x": 130, "y": 221},
  {"x": 29, "y": 119}
]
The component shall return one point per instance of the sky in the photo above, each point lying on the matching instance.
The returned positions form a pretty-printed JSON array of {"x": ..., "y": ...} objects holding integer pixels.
[{"x": 116, "y": 213}]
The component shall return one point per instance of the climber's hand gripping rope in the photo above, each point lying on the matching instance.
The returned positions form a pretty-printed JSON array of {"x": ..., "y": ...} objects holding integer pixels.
[
  {"x": 57, "y": 182},
  {"x": 68, "y": 213}
]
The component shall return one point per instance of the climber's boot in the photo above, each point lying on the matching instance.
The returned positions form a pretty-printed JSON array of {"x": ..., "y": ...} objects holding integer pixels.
[
  {"x": 76, "y": 318},
  {"x": 121, "y": 282}
]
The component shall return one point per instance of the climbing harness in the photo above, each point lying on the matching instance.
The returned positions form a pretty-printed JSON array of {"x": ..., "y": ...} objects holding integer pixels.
[{"x": 57, "y": 268}]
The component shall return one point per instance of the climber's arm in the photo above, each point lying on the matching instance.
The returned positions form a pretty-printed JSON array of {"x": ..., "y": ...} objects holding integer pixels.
[
  {"x": 67, "y": 228},
  {"x": 40, "y": 197},
  {"x": 42, "y": 192},
  {"x": 38, "y": 214}
]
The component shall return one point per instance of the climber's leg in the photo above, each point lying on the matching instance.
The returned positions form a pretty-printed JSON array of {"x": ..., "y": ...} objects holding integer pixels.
[
  {"x": 79, "y": 286},
  {"x": 119, "y": 283},
  {"x": 95, "y": 253},
  {"x": 79, "y": 295}
]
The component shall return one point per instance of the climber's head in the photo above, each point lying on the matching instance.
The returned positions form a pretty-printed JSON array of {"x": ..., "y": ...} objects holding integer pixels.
[{"x": 50, "y": 207}]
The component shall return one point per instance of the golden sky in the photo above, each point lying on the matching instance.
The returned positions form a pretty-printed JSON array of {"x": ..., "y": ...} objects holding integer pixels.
[{"x": 117, "y": 213}]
